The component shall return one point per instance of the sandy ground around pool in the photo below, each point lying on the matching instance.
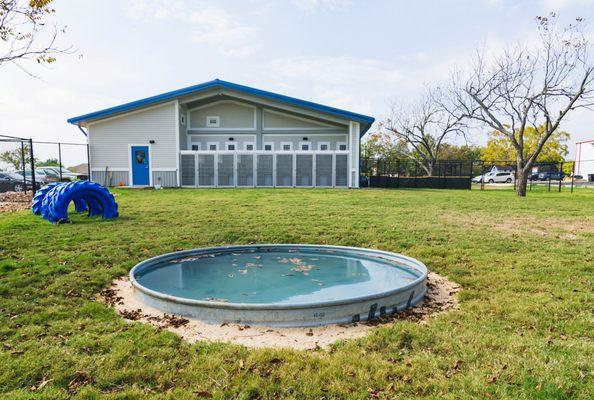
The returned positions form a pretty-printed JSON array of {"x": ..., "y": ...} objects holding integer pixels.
[{"x": 440, "y": 297}]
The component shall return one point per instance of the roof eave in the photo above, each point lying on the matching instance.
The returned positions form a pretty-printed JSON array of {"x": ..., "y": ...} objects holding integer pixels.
[{"x": 82, "y": 120}]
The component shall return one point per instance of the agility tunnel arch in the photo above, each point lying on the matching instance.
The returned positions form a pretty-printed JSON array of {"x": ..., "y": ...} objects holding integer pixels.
[
  {"x": 79, "y": 204},
  {"x": 86, "y": 195}
]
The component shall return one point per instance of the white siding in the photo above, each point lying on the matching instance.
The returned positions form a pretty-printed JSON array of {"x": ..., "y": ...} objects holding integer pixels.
[
  {"x": 277, "y": 120},
  {"x": 110, "y": 139},
  {"x": 232, "y": 115}
]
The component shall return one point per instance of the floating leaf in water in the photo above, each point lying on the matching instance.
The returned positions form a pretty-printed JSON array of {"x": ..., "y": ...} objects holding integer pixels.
[
  {"x": 257, "y": 257},
  {"x": 242, "y": 271},
  {"x": 302, "y": 268},
  {"x": 295, "y": 260},
  {"x": 288, "y": 274}
]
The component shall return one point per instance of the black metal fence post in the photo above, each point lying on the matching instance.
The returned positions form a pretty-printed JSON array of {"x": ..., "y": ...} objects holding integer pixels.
[
  {"x": 470, "y": 175},
  {"x": 549, "y": 180},
  {"x": 560, "y": 175},
  {"x": 23, "y": 164},
  {"x": 483, "y": 175},
  {"x": 572, "y": 176},
  {"x": 33, "y": 183},
  {"x": 60, "y": 160}
]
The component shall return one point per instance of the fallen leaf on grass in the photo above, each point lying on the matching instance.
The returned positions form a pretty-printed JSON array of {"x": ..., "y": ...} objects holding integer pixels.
[{"x": 41, "y": 384}]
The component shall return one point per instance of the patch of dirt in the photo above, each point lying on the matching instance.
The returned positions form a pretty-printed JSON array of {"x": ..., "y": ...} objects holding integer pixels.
[
  {"x": 440, "y": 297},
  {"x": 14, "y": 201},
  {"x": 560, "y": 228},
  {"x": 518, "y": 225}
]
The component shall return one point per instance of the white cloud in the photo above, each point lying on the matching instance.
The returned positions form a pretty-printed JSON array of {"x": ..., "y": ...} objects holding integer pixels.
[
  {"x": 210, "y": 25},
  {"x": 322, "y": 5},
  {"x": 344, "y": 82},
  {"x": 557, "y": 5}
]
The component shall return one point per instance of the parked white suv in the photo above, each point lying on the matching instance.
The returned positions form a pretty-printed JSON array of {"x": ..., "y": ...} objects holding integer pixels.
[{"x": 499, "y": 177}]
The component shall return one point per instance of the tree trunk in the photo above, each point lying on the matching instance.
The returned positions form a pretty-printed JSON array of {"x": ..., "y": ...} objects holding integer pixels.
[
  {"x": 522, "y": 182},
  {"x": 522, "y": 173}
]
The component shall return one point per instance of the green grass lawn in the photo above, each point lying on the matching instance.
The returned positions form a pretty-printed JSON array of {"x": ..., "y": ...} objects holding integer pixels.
[{"x": 524, "y": 329}]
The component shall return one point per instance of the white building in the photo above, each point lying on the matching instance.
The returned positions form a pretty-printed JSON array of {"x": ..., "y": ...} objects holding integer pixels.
[
  {"x": 584, "y": 159},
  {"x": 221, "y": 134}
]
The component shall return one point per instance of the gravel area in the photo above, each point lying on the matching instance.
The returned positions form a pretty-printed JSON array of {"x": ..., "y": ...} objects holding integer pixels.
[{"x": 15, "y": 201}]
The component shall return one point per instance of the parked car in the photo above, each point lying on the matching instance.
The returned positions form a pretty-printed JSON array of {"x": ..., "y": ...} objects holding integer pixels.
[
  {"x": 552, "y": 175},
  {"x": 52, "y": 174},
  {"x": 67, "y": 173},
  {"x": 40, "y": 177},
  {"x": 13, "y": 182},
  {"x": 495, "y": 177}
]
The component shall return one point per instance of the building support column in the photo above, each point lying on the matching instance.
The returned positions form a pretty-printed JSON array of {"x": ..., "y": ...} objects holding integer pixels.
[{"x": 354, "y": 141}]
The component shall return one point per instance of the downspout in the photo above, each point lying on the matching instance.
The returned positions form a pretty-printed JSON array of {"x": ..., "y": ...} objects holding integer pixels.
[{"x": 88, "y": 152}]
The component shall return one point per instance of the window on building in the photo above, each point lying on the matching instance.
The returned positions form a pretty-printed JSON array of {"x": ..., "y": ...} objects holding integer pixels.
[
  {"x": 304, "y": 146},
  {"x": 268, "y": 146},
  {"x": 248, "y": 146},
  {"x": 231, "y": 146},
  {"x": 213, "y": 122},
  {"x": 213, "y": 146},
  {"x": 196, "y": 147},
  {"x": 341, "y": 146},
  {"x": 324, "y": 146},
  {"x": 287, "y": 146}
]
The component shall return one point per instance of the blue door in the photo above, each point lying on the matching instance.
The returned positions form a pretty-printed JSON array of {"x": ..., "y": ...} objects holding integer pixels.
[{"x": 140, "y": 165}]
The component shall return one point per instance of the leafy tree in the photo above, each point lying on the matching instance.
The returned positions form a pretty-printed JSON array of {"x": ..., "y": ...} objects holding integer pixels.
[
  {"x": 23, "y": 36},
  {"x": 382, "y": 146},
  {"x": 15, "y": 157},
  {"x": 499, "y": 147},
  {"x": 50, "y": 162},
  {"x": 459, "y": 153}
]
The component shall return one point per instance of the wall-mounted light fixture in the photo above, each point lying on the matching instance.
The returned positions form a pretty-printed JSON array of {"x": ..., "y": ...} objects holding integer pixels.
[
  {"x": 151, "y": 141},
  {"x": 231, "y": 139},
  {"x": 305, "y": 139}
]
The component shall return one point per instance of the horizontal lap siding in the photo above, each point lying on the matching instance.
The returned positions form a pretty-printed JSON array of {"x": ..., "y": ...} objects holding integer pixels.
[
  {"x": 109, "y": 140},
  {"x": 111, "y": 178},
  {"x": 165, "y": 178}
]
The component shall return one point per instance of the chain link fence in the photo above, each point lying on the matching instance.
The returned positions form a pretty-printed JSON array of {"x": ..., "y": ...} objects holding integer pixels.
[
  {"x": 474, "y": 174},
  {"x": 26, "y": 164}
]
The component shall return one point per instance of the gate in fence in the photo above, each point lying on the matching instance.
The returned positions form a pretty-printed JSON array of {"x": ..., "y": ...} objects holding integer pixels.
[{"x": 265, "y": 169}]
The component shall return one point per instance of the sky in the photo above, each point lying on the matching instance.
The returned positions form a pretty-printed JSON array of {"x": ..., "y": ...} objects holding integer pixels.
[{"x": 359, "y": 55}]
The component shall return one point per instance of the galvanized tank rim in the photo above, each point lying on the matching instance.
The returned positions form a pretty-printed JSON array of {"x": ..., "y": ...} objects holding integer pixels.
[{"x": 400, "y": 259}]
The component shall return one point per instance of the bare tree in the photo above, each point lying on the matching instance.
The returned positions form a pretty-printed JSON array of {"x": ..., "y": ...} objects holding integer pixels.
[
  {"x": 424, "y": 127},
  {"x": 23, "y": 34},
  {"x": 530, "y": 87}
]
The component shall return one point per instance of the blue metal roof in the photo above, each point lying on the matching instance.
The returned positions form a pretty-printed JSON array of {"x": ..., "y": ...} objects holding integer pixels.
[{"x": 364, "y": 119}]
